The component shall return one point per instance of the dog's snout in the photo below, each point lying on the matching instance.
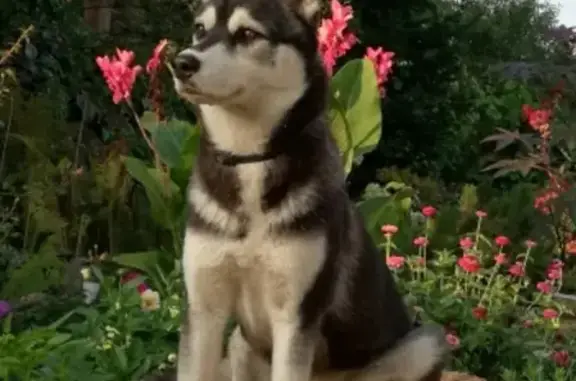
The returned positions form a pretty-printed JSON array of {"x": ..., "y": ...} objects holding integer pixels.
[{"x": 186, "y": 64}]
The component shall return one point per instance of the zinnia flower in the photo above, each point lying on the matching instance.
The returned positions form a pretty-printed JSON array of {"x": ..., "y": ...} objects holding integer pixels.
[
  {"x": 452, "y": 340},
  {"x": 420, "y": 241},
  {"x": 479, "y": 312},
  {"x": 481, "y": 214},
  {"x": 529, "y": 243},
  {"x": 544, "y": 287},
  {"x": 429, "y": 211},
  {"x": 502, "y": 240},
  {"x": 389, "y": 229},
  {"x": 466, "y": 243},
  {"x": 141, "y": 287},
  {"x": 149, "y": 300},
  {"x": 395, "y": 261},
  {"x": 549, "y": 313},
  {"x": 469, "y": 263},
  {"x": 517, "y": 269},
  {"x": 561, "y": 358},
  {"x": 500, "y": 258},
  {"x": 119, "y": 74}
]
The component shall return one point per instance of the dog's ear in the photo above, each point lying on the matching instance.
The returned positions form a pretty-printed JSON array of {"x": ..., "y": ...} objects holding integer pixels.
[{"x": 310, "y": 10}]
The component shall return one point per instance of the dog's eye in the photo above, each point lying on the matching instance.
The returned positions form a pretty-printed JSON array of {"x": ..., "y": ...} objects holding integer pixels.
[
  {"x": 199, "y": 31},
  {"x": 246, "y": 35}
]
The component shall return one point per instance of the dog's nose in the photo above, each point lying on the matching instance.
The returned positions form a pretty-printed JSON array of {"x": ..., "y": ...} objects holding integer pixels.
[{"x": 186, "y": 64}]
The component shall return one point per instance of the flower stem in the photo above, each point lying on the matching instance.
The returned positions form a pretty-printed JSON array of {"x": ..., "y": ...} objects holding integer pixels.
[{"x": 477, "y": 233}]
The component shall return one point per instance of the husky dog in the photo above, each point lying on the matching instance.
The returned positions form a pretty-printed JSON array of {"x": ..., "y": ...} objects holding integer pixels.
[{"x": 272, "y": 237}]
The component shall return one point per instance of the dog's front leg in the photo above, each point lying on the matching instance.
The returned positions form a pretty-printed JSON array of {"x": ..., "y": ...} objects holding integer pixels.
[
  {"x": 293, "y": 351},
  {"x": 210, "y": 293}
]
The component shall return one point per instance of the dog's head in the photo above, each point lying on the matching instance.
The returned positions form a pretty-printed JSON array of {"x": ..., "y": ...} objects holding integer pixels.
[{"x": 246, "y": 52}]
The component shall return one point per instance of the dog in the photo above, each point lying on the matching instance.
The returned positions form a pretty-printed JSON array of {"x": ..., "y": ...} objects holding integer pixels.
[{"x": 272, "y": 237}]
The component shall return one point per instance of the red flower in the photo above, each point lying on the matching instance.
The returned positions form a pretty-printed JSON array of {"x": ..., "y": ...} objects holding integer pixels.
[
  {"x": 481, "y": 214},
  {"x": 561, "y": 358},
  {"x": 479, "y": 312},
  {"x": 453, "y": 340},
  {"x": 554, "y": 270},
  {"x": 502, "y": 240},
  {"x": 529, "y": 243},
  {"x": 334, "y": 40},
  {"x": 469, "y": 263},
  {"x": 536, "y": 118},
  {"x": 549, "y": 313},
  {"x": 154, "y": 61},
  {"x": 466, "y": 243},
  {"x": 500, "y": 258},
  {"x": 429, "y": 211},
  {"x": 571, "y": 247},
  {"x": 382, "y": 62},
  {"x": 389, "y": 229},
  {"x": 544, "y": 287},
  {"x": 119, "y": 74},
  {"x": 395, "y": 261},
  {"x": 420, "y": 241},
  {"x": 517, "y": 269},
  {"x": 127, "y": 277}
]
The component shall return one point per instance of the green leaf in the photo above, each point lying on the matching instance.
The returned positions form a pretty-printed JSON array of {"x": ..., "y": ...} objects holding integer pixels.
[
  {"x": 355, "y": 89},
  {"x": 121, "y": 356},
  {"x": 170, "y": 139},
  {"x": 161, "y": 191},
  {"x": 145, "y": 261},
  {"x": 58, "y": 339}
]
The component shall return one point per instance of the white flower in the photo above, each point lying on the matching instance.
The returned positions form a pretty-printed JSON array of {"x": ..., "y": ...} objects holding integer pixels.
[
  {"x": 86, "y": 273},
  {"x": 172, "y": 357},
  {"x": 150, "y": 300}
]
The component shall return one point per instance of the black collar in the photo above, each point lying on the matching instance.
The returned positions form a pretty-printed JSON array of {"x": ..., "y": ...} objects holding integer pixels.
[{"x": 231, "y": 159}]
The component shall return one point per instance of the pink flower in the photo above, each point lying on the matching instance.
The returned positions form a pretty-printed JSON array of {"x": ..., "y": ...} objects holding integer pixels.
[
  {"x": 466, "y": 243},
  {"x": 420, "y": 261},
  {"x": 480, "y": 312},
  {"x": 429, "y": 211},
  {"x": 517, "y": 269},
  {"x": 549, "y": 314},
  {"x": 154, "y": 62},
  {"x": 554, "y": 270},
  {"x": 481, "y": 214},
  {"x": 119, "y": 74},
  {"x": 529, "y": 243},
  {"x": 469, "y": 263},
  {"x": 395, "y": 261},
  {"x": 382, "y": 61},
  {"x": 452, "y": 340},
  {"x": 544, "y": 287},
  {"x": 389, "y": 230},
  {"x": 502, "y": 240},
  {"x": 420, "y": 241},
  {"x": 561, "y": 358},
  {"x": 334, "y": 40},
  {"x": 500, "y": 258}
]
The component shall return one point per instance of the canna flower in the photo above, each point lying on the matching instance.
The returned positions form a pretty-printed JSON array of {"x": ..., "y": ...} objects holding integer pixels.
[
  {"x": 395, "y": 262},
  {"x": 382, "y": 62},
  {"x": 119, "y": 74},
  {"x": 469, "y": 263},
  {"x": 334, "y": 40},
  {"x": 154, "y": 62}
]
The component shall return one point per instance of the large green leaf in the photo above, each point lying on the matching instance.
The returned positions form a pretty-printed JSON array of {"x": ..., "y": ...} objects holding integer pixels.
[
  {"x": 163, "y": 194},
  {"x": 145, "y": 261},
  {"x": 355, "y": 89}
]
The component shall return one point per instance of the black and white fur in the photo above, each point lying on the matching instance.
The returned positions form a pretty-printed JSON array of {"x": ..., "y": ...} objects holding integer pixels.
[{"x": 272, "y": 237}]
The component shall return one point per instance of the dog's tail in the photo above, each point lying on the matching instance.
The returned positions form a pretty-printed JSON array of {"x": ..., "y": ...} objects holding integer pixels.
[{"x": 418, "y": 357}]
